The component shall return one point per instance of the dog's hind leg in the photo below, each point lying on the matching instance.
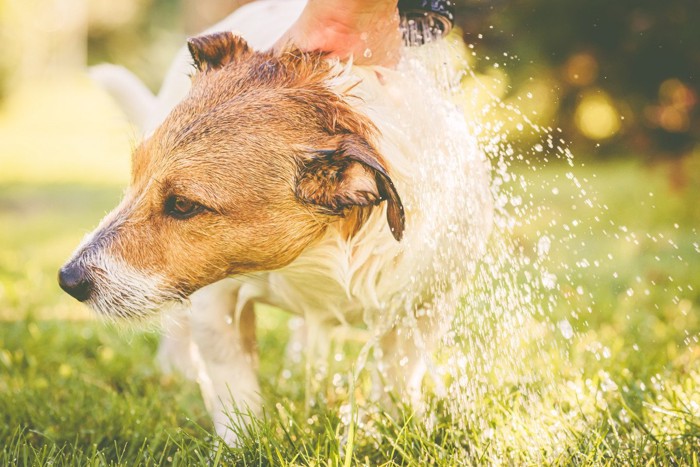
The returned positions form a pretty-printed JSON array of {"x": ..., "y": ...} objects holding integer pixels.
[{"x": 223, "y": 329}]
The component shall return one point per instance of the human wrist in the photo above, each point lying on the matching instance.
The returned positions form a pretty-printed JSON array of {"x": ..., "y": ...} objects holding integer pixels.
[{"x": 348, "y": 15}]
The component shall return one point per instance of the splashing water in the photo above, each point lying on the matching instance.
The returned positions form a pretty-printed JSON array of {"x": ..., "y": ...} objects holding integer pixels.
[
  {"x": 492, "y": 347},
  {"x": 488, "y": 300},
  {"x": 508, "y": 346},
  {"x": 504, "y": 345}
]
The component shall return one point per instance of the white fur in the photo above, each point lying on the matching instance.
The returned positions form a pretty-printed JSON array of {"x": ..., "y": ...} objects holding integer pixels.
[
  {"x": 113, "y": 277},
  {"x": 110, "y": 277},
  {"x": 370, "y": 279},
  {"x": 227, "y": 374}
]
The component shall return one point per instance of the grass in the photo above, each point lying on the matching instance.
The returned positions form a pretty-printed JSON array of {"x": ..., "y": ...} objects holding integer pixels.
[{"x": 623, "y": 389}]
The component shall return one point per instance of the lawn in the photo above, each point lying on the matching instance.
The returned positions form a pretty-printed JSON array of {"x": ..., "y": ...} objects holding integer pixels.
[{"x": 617, "y": 350}]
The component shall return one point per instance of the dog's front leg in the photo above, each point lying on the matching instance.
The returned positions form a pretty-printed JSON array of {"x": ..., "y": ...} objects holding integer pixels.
[
  {"x": 223, "y": 330},
  {"x": 402, "y": 365},
  {"x": 177, "y": 352},
  {"x": 406, "y": 357}
]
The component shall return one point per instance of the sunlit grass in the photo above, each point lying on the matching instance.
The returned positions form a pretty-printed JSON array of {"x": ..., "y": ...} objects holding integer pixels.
[{"x": 623, "y": 387}]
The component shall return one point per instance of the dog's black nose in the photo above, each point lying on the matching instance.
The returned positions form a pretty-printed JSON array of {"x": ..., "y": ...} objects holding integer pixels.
[{"x": 72, "y": 279}]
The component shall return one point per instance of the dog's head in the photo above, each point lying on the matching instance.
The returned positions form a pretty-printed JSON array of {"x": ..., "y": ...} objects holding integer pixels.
[{"x": 243, "y": 175}]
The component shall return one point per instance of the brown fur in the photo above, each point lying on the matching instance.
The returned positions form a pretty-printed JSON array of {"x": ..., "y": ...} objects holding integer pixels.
[{"x": 272, "y": 156}]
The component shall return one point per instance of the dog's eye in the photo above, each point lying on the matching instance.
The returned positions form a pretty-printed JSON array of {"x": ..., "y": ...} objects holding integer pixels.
[{"x": 182, "y": 208}]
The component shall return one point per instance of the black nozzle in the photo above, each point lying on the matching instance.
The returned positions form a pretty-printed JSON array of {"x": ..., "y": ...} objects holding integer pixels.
[{"x": 442, "y": 12}]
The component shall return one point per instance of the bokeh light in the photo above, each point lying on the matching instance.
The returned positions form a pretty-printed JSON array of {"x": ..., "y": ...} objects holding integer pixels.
[{"x": 596, "y": 116}]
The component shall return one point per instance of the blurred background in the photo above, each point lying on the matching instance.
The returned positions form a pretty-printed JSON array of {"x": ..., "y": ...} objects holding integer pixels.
[
  {"x": 623, "y": 74},
  {"x": 619, "y": 78}
]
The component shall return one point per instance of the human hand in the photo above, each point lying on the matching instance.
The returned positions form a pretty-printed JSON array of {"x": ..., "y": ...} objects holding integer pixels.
[{"x": 367, "y": 30}]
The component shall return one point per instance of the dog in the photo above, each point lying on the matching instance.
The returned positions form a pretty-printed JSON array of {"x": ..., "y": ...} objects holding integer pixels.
[{"x": 329, "y": 190}]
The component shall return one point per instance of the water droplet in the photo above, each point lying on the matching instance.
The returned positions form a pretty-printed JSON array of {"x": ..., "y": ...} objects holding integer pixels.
[
  {"x": 624, "y": 416},
  {"x": 565, "y": 328},
  {"x": 367, "y": 53},
  {"x": 543, "y": 245},
  {"x": 549, "y": 280}
]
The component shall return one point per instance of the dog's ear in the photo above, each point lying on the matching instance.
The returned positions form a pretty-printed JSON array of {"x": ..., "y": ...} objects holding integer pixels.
[
  {"x": 214, "y": 51},
  {"x": 350, "y": 175}
]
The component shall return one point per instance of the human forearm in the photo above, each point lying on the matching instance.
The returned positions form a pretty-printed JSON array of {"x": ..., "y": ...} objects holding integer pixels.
[{"x": 352, "y": 13}]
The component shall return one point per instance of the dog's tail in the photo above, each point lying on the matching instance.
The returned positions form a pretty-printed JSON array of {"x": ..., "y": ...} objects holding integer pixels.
[{"x": 132, "y": 96}]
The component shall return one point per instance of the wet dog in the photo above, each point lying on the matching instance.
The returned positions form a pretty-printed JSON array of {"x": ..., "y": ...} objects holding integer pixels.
[{"x": 298, "y": 181}]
